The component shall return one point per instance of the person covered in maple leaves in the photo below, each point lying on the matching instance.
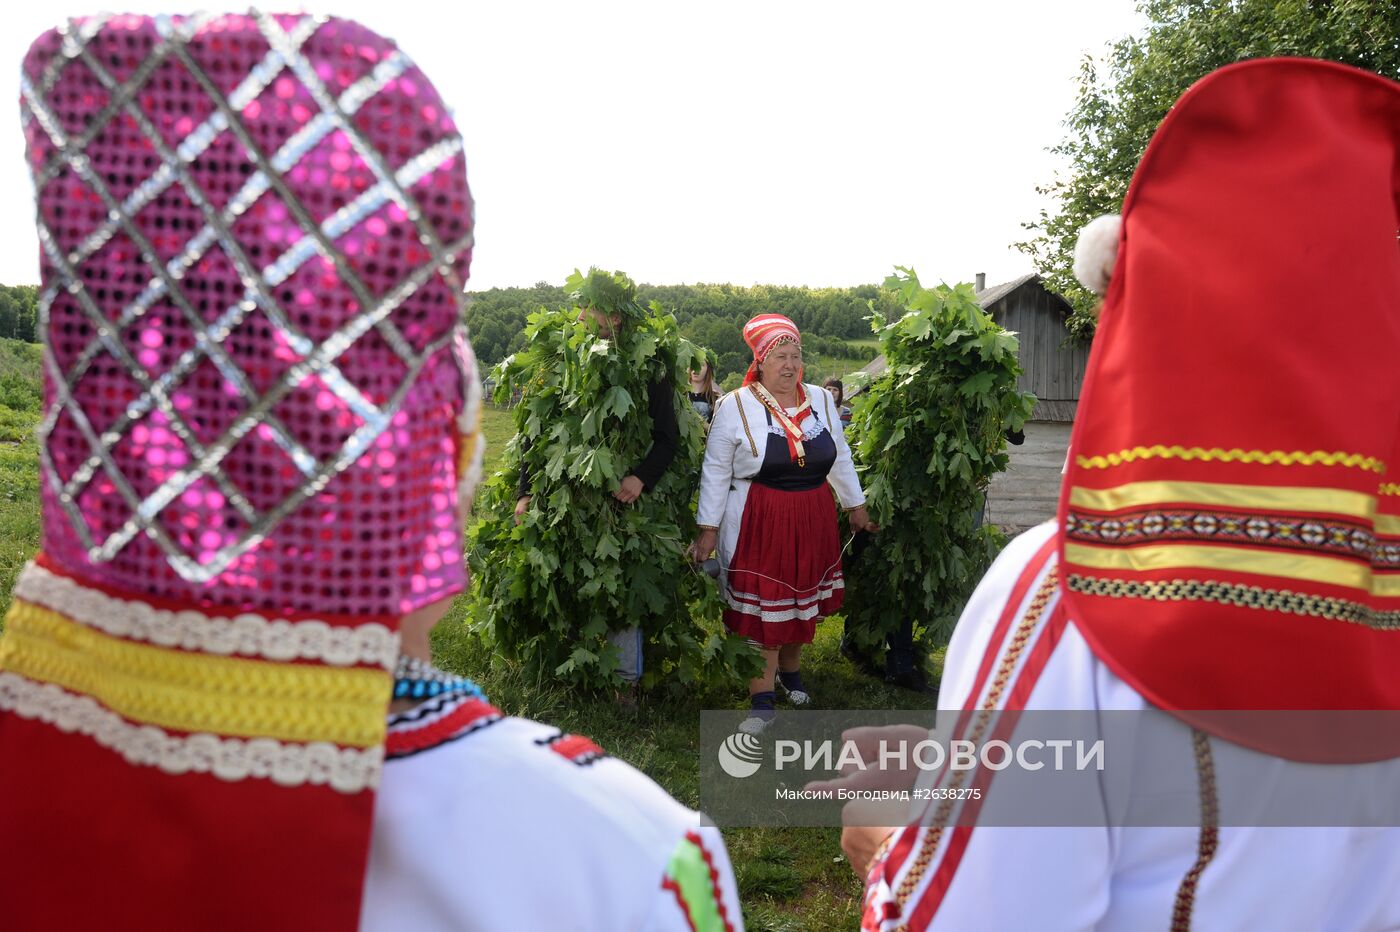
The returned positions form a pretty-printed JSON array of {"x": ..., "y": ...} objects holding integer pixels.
[{"x": 607, "y": 303}]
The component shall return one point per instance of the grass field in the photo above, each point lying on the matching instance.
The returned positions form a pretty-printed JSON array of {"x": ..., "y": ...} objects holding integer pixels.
[
  {"x": 791, "y": 880},
  {"x": 497, "y": 428}
]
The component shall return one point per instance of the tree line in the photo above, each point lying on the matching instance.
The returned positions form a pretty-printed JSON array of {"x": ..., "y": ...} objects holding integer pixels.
[
  {"x": 712, "y": 316},
  {"x": 19, "y": 312}
]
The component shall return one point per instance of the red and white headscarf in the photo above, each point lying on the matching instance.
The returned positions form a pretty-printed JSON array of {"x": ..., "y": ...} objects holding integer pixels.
[{"x": 763, "y": 334}]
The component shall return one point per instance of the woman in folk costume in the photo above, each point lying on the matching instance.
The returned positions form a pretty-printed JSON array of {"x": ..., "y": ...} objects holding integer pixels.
[
  {"x": 776, "y": 450},
  {"x": 1228, "y": 539},
  {"x": 261, "y": 435}
]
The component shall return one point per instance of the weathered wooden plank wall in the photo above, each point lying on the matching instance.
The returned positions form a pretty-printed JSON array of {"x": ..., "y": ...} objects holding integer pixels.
[{"x": 1029, "y": 491}]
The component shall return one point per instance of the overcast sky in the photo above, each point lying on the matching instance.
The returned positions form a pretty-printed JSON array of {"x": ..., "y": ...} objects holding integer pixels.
[{"x": 804, "y": 143}]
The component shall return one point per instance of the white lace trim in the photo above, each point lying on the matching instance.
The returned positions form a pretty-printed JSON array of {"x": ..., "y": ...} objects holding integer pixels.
[
  {"x": 346, "y": 770},
  {"x": 810, "y": 432},
  {"x": 246, "y": 634},
  {"x": 814, "y": 426}
]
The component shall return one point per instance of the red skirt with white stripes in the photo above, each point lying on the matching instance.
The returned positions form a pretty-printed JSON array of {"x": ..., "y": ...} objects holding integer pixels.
[{"x": 785, "y": 574}]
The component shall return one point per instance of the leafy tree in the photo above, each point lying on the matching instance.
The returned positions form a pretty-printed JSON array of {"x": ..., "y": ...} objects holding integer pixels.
[
  {"x": 547, "y": 590},
  {"x": 1115, "y": 114},
  {"x": 19, "y": 311},
  {"x": 734, "y": 364},
  {"x": 928, "y": 435}
]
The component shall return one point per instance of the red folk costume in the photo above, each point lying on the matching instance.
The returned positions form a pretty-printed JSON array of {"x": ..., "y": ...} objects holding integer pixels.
[
  {"x": 1228, "y": 536},
  {"x": 261, "y": 421},
  {"x": 767, "y": 488}
]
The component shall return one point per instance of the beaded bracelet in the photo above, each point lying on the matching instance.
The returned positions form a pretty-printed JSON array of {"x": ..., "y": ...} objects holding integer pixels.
[{"x": 419, "y": 679}]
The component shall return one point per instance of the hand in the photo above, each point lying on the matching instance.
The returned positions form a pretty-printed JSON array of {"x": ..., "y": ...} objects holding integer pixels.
[
  {"x": 866, "y": 824},
  {"x": 868, "y": 742},
  {"x": 521, "y": 504},
  {"x": 630, "y": 490},
  {"x": 861, "y": 842},
  {"x": 860, "y": 521},
  {"x": 703, "y": 546}
]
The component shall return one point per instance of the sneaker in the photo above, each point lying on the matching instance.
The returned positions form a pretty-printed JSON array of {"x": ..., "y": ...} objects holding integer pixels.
[
  {"x": 753, "y": 725},
  {"x": 796, "y": 697},
  {"x": 794, "y": 688}
]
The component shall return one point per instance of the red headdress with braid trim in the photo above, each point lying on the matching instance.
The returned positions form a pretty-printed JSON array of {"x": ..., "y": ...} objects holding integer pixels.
[{"x": 1230, "y": 520}]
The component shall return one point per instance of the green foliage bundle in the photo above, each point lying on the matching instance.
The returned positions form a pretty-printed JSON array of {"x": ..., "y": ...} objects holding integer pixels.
[
  {"x": 1115, "y": 115},
  {"x": 547, "y": 591},
  {"x": 928, "y": 435}
]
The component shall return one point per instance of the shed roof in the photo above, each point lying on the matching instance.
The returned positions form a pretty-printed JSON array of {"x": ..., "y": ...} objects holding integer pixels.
[{"x": 989, "y": 296}]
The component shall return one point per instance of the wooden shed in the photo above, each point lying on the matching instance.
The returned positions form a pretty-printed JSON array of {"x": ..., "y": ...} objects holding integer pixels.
[{"x": 1053, "y": 367}]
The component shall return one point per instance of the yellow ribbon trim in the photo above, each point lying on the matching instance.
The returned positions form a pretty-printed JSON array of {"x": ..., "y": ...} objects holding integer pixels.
[
  {"x": 1236, "y": 455},
  {"x": 1236, "y": 560},
  {"x": 194, "y": 692},
  {"x": 1291, "y": 499},
  {"x": 1388, "y": 525},
  {"x": 1389, "y": 488}
]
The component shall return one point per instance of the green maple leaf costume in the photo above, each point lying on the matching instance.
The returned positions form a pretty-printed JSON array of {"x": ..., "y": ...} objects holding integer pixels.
[{"x": 580, "y": 563}]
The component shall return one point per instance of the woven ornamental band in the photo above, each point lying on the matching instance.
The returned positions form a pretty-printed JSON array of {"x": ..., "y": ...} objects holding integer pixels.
[
  {"x": 261, "y": 420},
  {"x": 1230, "y": 528}
]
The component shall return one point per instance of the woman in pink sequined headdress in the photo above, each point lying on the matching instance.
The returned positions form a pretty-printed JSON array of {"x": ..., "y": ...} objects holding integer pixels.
[{"x": 260, "y": 435}]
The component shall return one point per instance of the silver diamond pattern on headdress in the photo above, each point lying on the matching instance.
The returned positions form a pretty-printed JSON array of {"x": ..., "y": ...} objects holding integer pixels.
[{"x": 319, "y": 359}]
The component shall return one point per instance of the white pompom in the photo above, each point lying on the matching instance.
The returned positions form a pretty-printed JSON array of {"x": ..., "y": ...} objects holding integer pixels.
[{"x": 1096, "y": 251}]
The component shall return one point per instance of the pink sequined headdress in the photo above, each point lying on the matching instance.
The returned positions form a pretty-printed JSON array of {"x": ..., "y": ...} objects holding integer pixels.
[{"x": 260, "y": 403}]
